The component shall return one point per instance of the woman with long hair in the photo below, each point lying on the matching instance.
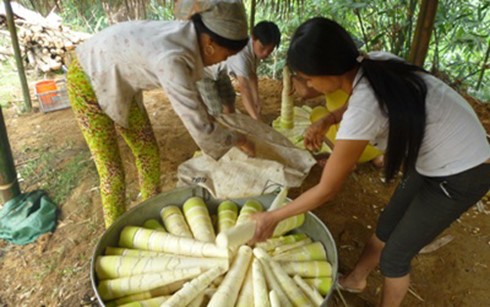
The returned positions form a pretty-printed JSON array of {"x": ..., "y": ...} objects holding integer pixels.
[{"x": 427, "y": 131}]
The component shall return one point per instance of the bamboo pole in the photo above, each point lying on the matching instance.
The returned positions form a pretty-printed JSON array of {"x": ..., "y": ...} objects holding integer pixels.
[
  {"x": 483, "y": 67},
  {"x": 18, "y": 57},
  {"x": 423, "y": 32},
  {"x": 9, "y": 186},
  {"x": 252, "y": 15}
]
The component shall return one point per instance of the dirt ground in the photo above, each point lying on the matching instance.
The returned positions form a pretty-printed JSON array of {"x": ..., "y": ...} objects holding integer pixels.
[{"x": 54, "y": 270}]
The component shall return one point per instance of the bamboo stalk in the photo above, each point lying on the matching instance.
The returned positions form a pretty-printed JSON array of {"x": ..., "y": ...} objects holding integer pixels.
[
  {"x": 9, "y": 186},
  {"x": 18, "y": 56}
]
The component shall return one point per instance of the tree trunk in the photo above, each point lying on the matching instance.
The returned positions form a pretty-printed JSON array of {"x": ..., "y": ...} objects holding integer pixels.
[
  {"x": 252, "y": 15},
  {"x": 483, "y": 67},
  {"x": 423, "y": 32},
  {"x": 18, "y": 56}
]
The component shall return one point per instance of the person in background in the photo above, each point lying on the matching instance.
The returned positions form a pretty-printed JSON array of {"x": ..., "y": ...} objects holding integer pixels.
[
  {"x": 426, "y": 129},
  {"x": 112, "y": 69},
  {"x": 216, "y": 88}
]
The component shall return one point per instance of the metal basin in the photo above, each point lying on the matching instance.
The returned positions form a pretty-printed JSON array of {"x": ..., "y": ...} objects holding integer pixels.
[{"x": 151, "y": 208}]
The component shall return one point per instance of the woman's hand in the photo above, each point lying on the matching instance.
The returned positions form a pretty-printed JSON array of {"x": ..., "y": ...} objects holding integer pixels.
[
  {"x": 266, "y": 223},
  {"x": 315, "y": 134}
]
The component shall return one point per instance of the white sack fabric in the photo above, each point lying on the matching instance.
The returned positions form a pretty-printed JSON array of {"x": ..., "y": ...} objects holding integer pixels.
[{"x": 235, "y": 175}]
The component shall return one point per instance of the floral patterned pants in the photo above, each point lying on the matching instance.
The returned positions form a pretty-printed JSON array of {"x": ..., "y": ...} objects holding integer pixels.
[{"x": 99, "y": 131}]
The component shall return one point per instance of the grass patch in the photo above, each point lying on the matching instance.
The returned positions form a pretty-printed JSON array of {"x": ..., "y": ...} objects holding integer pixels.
[
  {"x": 10, "y": 89},
  {"x": 56, "y": 171}
]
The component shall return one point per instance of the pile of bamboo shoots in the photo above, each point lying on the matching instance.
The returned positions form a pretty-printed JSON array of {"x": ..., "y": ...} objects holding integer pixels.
[
  {"x": 44, "y": 42},
  {"x": 182, "y": 262}
]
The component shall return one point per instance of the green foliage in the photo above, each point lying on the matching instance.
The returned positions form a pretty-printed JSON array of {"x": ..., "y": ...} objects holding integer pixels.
[
  {"x": 160, "y": 11},
  {"x": 457, "y": 49},
  {"x": 460, "y": 42}
]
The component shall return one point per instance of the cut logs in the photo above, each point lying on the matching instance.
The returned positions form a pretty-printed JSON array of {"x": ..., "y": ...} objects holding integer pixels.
[{"x": 44, "y": 43}]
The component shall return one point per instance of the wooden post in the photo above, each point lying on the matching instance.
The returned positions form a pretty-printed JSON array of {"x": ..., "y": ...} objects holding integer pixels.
[
  {"x": 423, "y": 32},
  {"x": 252, "y": 15},
  {"x": 9, "y": 186},
  {"x": 483, "y": 67},
  {"x": 18, "y": 56}
]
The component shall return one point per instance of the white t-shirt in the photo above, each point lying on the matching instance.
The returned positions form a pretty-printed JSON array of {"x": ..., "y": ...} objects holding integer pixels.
[
  {"x": 244, "y": 63},
  {"x": 127, "y": 58},
  {"x": 454, "y": 138}
]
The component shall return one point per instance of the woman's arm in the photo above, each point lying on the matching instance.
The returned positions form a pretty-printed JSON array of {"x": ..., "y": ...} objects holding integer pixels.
[
  {"x": 250, "y": 95},
  {"x": 315, "y": 134},
  {"x": 214, "y": 139},
  {"x": 338, "y": 167}
]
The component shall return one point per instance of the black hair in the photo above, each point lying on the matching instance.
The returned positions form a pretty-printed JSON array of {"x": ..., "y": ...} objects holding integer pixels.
[
  {"x": 234, "y": 45},
  {"x": 322, "y": 47},
  {"x": 267, "y": 33}
]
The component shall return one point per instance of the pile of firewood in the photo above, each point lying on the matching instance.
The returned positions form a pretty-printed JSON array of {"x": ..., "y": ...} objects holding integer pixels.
[
  {"x": 44, "y": 42},
  {"x": 45, "y": 48}
]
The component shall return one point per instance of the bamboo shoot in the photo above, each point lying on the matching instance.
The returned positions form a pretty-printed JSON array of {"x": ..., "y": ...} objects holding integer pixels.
[
  {"x": 227, "y": 292},
  {"x": 274, "y": 299},
  {"x": 174, "y": 222},
  {"x": 237, "y": 235},
  {"x": 151, "y": 302},
  {"x": 131, "y": 252},
  {"x": 227, "y": 215},
  {"x": 295, "y": 294},
  {"x": 142, "y": 238},
  {"x": 193, "y": 288},
  {"x": 311, "y": 292},
  {"x": 280, "y": 199},
  {"x": 246, "y": 295},
  {"x": 322, "y": 284},
  {"x": 310, "y": 269},
  {"x": 108, "y": 267},
  {"x": 153, "y": 224},
  {"x": 272, "y": 243},
  {"x": 261, "y": 297},
  {"x": 119, "y": 287},
  {"x": 250, "y": 207},
  {"x": 289, "y": 224},
  {"x": 287, "y": 102},
  {"x": 286, "y": 247},
  {"x": 312, "y": 251},
  {"x": 197, "y": 216},
  {"x": 160, "y": 291}
]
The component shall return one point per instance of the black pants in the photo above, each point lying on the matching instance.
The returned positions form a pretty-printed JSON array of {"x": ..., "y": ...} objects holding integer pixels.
[{"x": 420, "y": 209}]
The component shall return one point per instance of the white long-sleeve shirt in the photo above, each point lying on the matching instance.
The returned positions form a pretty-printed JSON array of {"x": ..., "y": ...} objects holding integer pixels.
[{"x": 123, "y": 60}]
